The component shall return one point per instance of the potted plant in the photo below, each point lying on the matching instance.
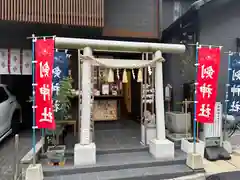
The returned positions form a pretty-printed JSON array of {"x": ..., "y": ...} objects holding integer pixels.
[{"x": 55, "y": 151}]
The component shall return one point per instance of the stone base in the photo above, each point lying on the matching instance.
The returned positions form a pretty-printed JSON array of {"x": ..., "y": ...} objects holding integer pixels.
[
  {"x": 194, "y": 161},
  {"x": 84, "y": 154},
  {"x": 227, "y": 146},
  {"x": 161, "y": 149},
  {"x": 147, "y": 133},
  {"x": 34, "y": 172},
  {"x": 187, "y": 146}
]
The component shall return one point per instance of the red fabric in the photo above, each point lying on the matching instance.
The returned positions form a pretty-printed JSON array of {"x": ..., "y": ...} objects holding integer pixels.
[
  {"x": 44, "y": 55},
  {"x": 207, "y": 82}
]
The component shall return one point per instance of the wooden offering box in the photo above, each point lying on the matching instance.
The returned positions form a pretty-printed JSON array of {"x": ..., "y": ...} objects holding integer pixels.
[{"x": 105, "y": 109}]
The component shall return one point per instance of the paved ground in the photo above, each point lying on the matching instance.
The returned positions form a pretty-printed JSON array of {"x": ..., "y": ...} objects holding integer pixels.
[
  {"x": 7, "y": 153},
  {"x": 7, "y": 156}
]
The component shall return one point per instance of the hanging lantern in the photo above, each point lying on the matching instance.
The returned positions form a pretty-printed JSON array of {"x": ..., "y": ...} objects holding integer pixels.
[
  {"x": 118, "y": 76},
  {"x": 124, "y": 79},
  {"x": 110, "y": 76},
  {"x": 133, "y": 74},
  {"x": 140, "y": 76}
]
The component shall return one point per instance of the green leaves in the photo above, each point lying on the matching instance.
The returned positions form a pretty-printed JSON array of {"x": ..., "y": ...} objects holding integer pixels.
[{"x": 63, "y": 98}]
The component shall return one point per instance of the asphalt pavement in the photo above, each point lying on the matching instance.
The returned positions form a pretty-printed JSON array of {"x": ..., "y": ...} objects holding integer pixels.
[
  {"x": 225, "y": 176},
  {"x": 7, "y": 153}
]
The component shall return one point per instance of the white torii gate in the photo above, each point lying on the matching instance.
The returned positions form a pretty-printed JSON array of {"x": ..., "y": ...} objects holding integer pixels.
[{"x": 85, "y": 151}]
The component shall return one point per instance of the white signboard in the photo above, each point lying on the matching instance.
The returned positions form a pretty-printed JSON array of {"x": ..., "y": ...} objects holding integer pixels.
[{"x": 215, "y": 129}]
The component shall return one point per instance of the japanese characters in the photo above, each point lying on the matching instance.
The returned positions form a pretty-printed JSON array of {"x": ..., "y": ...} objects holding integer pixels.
[
  {"x": 233, "y": 93},
  {"x": 59, "y": 71},
  {"x": 206, "y": 87},
  {"x": 44, "y": 53}
]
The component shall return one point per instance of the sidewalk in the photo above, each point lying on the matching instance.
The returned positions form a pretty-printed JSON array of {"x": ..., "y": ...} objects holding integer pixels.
[
  {"x": 223, "y": 166},
  {"x": 216, "y": 167}
]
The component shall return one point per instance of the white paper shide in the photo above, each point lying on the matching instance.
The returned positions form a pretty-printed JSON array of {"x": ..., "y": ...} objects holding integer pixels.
[
  {"x": 26, "y": 62},
  {"x": 4, "y": 61},
  {"x": 15, "y": 62}
]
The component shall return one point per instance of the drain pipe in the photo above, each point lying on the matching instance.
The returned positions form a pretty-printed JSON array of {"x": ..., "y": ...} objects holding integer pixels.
[{"x": 160, "y": 18}]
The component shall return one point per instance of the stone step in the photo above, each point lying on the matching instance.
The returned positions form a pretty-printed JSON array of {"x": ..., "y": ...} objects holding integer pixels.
[
  {"x": 122, "y": 150},
  {"x": 101, "y": 151},
  {"x": 151, "y": 173},
  {"x": 116, "y": 161}
]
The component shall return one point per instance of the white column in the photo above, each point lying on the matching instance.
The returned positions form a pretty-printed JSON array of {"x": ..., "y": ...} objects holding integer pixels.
[
  {"x": 160, "y": 147},
  {"x": 86, "y": 99},
  {"x": 159, "y": 100},
  {"x": 85, "y": 151}
]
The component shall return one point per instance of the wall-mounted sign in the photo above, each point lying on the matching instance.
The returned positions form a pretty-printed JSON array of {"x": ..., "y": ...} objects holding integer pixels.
[{"x": 147, "y": 94}]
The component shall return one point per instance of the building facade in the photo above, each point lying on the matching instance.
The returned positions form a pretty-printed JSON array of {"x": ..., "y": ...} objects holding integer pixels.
[
  {"x": 135, "y": 20},
  {"x": 207, "y": 22}
]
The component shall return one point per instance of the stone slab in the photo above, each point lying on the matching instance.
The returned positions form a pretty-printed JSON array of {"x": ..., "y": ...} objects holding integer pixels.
[
  {"x": 85, "y": 154},
  {"x": 162, "y": 149},
  {"x": 34, "y": 172},
  {"x": 194, "y": 161}
]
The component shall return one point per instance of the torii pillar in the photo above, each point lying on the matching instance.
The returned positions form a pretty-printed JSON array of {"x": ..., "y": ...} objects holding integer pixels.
[{"x": 160, "y": 147}]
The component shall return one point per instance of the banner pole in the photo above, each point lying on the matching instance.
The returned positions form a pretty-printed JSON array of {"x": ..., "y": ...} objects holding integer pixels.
[
  {"x": 226, "y": 99},
  {"x": 33, "y": 101},
  {"x": 195, "y": 103}
]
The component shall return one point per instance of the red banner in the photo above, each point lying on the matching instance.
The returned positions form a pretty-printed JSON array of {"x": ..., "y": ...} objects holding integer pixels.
[
  {"x": 207, "y": 82},
  {"x": 44, "y": 56}
]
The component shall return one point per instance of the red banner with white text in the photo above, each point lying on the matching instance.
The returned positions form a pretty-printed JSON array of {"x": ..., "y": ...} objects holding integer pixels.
[
  {"x": 207, "y": 83},
  {"x": 44, "y": 56}
]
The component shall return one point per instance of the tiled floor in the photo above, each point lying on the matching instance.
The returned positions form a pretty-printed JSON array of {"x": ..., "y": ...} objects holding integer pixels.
[{"x": 119, "y": 134}]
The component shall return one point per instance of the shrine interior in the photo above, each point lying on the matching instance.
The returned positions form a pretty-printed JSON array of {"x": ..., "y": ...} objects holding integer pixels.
[{"x": 116, "y": 112}]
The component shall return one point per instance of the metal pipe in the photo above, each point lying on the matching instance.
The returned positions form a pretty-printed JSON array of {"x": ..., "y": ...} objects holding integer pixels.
[
  {"x": 118, "y": 46},
  {"x": 160, "y": 15},
  {"x": 16, "y": 158},
  {"x": 79, "y": 114}
]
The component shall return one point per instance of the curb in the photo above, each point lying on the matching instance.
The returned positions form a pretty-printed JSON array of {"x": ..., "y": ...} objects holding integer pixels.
[{"x": 199, "y": 176}]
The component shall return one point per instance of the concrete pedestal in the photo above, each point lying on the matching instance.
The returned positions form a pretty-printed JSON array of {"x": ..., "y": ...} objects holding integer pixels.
[
  {"x": 147, "y": 133},
  {"x": 34, "y": 172},
  {"x": 194, "y": 161},
  {"x": 161, "y": 149},
  {"x": 84, "y": 154},
  {"x": 187, "y": 146}
]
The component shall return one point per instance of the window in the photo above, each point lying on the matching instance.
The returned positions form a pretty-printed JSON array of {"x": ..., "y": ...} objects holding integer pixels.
[
  {"x": 3, "y": 95},
  {"x": 177, "y": 10},
  {"x": 9, "y": 90}
]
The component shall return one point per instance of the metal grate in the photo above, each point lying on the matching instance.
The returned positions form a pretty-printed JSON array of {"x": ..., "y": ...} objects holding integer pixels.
[{"x": 65, "y": 12}]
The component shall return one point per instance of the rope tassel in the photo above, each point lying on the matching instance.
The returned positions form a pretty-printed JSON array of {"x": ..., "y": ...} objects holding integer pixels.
[
  {"x": 133, "y": 74},
  {"x": 140, "y": 76},
  {"x": 110, "y": 76},
  {"x": 124, "y": 79}
]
